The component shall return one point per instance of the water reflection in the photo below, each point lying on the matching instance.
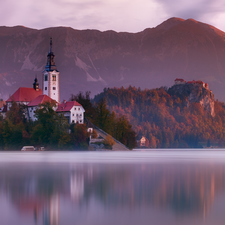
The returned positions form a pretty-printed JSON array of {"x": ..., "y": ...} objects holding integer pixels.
[{"x": 93, "y": 193}]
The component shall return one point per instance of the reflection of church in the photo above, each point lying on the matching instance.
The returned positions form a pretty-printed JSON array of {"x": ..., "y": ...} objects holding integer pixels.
[
  {"x": 33, "y": 97},
  {"x": 51, "y": 213},
  {"x": 76, "y": 186}
]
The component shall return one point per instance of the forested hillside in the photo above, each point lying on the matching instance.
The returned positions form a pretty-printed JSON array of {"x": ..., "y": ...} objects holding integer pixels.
[
  {"x": 166, "y": 118},
  {"x": 53, "y": 131}
]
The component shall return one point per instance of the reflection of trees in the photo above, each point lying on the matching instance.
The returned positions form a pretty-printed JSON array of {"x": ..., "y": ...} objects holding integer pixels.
[
  {"x": 187, "y": 188},
  {"x": 40, "y": 183},
  {"x": 32, "y": 188},
  {"x": 105, "y": 182}
]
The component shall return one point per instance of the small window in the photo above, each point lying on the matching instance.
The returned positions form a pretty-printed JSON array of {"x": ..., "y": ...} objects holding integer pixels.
[
  {"x": 80, "y": 114},
  {"x": 46, "y": 88},
  {"x": 78, "y": 108},
  {"x": 53, "y": 77},
  {"x": 75, "y": 108},
  {"x": 77, "y": 115},
  {"x": 80, "y": 121},
  {"x": 72, "y": 121},
  {"x": 73, "y": 114},
  {"x": 46, "y": 77},
  {"x": 54, "y": 88}
]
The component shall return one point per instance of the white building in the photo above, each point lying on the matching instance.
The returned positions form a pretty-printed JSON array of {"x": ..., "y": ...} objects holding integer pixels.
[
  {"x": 73, "y": 111},
  {"x": 51, "y": 77},
  {"x": 35, "y": 104}
]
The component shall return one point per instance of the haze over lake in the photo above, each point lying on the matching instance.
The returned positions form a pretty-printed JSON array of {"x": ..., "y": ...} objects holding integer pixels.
[{"x": 137, "y": 187}]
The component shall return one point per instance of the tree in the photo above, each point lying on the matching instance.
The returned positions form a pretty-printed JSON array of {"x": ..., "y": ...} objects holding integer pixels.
[
  {"x": 104, "y": 119},
  {"x": 16, "y": 113},
  {"x": 79, "y": 136},
  {"x": 109, "y": 142},
  {"x": 13, "y": 127},
  {"x": 1, "y": 136},
  {"x": 124, "y": 132},
  {"x": 12, "y": 135},
  {"x": 51, "y": 129}
]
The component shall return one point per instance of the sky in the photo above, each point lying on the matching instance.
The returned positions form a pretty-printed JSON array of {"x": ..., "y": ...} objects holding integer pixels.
[{"x": 117, "y": 15}]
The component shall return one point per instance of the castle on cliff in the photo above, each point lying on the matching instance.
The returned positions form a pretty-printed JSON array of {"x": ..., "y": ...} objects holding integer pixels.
[
  {"x": 195, "y": 91},
  {"x": 198, "y": 82}
]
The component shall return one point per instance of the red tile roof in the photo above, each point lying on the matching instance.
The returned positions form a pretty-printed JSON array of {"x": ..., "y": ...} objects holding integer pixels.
[
  {"x": 182, "y": 80},
  {"x": 24, "y": 94},
  {"x": 40, "y": 100},
  {"x": 67, "y": 106}
]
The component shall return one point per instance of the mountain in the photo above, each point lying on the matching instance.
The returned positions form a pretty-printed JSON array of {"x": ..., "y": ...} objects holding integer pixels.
[{"x": 89, "y": 60}]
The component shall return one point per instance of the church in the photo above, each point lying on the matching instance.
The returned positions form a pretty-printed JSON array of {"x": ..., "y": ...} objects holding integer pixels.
[{"x": 32, "y": 97}]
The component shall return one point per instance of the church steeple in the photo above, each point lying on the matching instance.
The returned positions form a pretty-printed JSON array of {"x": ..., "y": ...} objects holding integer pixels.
[
  {"x": 51, "y": 76},
  {"x": 50, "y": 66}
]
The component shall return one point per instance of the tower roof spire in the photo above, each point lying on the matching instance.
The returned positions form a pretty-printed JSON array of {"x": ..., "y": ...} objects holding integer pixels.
[
  {"x": 50, "y": 48},
  {"x": 50, "y": 66}
]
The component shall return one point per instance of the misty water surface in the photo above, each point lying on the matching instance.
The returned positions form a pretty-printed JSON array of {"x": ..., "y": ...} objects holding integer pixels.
[{"x": 138, "y": 187}]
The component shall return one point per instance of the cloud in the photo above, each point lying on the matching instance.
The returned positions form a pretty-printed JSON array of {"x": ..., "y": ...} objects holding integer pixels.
[
  {"x": 118, "y": 15},
  {"x": 42, "y": 13},
  {"x": 207, "y": 11}
]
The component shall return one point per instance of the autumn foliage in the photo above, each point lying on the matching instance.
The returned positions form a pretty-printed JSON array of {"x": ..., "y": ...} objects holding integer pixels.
[{"x": 165, "y": 119}]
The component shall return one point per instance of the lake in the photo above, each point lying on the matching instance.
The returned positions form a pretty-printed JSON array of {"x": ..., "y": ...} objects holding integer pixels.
[{"x": 172, "y": 187}]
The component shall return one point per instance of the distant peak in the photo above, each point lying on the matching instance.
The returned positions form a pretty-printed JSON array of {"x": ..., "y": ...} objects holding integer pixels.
[
  {"x": 175, "y": 19},
  {"x": 170, "y": 23},
  {"x": 192, "y": 20}
]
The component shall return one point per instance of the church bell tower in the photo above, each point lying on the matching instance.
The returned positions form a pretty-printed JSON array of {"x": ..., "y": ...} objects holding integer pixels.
[{"x": 51, "y": 76}]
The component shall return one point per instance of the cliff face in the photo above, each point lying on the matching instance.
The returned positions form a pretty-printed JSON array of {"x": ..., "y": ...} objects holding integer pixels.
[{"x": 196, "y": 93}]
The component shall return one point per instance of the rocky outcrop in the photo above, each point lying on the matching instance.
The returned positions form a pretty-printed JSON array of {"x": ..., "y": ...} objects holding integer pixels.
[{"x": 195, "y": 92}]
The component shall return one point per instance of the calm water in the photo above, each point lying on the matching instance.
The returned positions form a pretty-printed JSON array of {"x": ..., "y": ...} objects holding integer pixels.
[{"x": 127, "y": 188}]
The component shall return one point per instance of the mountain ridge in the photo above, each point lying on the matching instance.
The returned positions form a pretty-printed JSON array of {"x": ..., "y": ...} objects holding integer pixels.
[{"x": 89, "y": 60}]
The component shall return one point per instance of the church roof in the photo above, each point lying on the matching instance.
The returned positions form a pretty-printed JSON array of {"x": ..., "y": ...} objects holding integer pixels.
[
  {"x": 67, "y": 106},
  {"x": 24, "y": 94},
  {"x": 40, "y": 100}
]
